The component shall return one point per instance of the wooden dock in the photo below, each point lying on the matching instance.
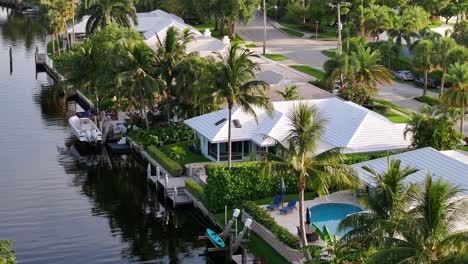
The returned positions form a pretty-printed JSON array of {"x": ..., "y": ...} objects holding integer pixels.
[
  {"x": 173, "y": 187},
  {"x": 45, "y": 64}
]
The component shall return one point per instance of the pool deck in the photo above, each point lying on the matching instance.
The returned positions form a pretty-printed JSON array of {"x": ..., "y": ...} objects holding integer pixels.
[{"x": 291, "y": 221}]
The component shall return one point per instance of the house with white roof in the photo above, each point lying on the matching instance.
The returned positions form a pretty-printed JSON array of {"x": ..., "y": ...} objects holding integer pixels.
[
  {"x": 450, "y": 165},
  {"x": 349, "y": 126},
  {"x": 154, "y": 25}
]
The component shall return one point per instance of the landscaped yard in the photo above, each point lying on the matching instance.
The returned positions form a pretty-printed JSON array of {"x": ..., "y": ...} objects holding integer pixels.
[
  {"x": 276, "y": 57},
  {"x": 395, "y": 118},
  {"x": 396, "y": 107},
  {"x": 309, "y": 70},
  {"x": 217, "y": 34},
  {"x": 181, "y": 153}
]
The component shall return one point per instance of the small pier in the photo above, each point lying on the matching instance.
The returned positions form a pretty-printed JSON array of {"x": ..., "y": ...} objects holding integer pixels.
[
  {"x": 45, "y": 64},
  {"x": 174, "y": 187}
]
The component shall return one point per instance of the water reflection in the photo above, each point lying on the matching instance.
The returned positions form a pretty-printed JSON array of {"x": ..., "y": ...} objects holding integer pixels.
[{"x": 17, "y": 28}]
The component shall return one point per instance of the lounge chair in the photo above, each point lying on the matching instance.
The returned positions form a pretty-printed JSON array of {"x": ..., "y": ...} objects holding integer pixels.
[
  {"x": 276, "y": 203},
  {"x": 291, "y": 205}
]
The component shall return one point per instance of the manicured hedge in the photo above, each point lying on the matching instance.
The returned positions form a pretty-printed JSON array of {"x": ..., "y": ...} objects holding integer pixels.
[
  {"x": 262, "y": 217},
  {"x": 195, "y": 189},
  {"x": 170, "y": 165},
  {"x": 428, "y": 100},
  {"x": 245, "y": 181},
  {"x": 361, "y": 157},
  {"x": 159, "y": 136}
]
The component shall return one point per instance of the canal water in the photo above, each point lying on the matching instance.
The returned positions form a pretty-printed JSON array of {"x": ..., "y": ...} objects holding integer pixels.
[{"x": 57, "y": 210}]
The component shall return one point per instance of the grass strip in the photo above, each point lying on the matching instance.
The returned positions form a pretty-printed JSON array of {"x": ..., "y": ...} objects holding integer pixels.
[
  {"x": 276, "y": 57},
  {"x": 310, "y": 71},
  {"x": 394, "y": 106},
  {"x": 292, "y": 32}
]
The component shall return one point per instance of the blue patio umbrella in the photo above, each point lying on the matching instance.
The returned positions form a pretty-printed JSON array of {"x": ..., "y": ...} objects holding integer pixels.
[{"x": 307, "y": 220}]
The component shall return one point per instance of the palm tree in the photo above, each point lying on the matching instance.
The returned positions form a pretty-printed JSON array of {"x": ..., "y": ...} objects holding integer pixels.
[
  {"x": 424, "y": 59},
  {"x": 365, "y": 67},
  {"x": 442, "y": 49},
  {"x": 236, "y": 85},
  {"x": 399, "y": 30},
  {"x": 104, "y": 12},
  {"x": 170, "y": 54},
  {"x": 431, "y": 231},
  {"x": 386, "y": 201},
  {"x": 336, "y": 68},
  {"x": 290, "y": 93},
  {"x": 58, "y": 13},
  {"x": 378, "y": 21},
  {"x": 138, "y": 85},
  {"x": 318, "y": 172},
  {"x": 457, "y": 96},
  {"x": 416, "y": 17}
]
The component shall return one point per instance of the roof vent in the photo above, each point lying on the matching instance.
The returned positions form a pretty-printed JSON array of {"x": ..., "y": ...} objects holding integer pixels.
[
  {"x": 237, "y": 123},
  {"x": 220, "y": 121}
]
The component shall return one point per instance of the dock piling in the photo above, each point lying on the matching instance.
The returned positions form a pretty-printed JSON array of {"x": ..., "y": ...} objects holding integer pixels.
[
  {"x": 148, "y": 172},
  {"x": 175, "y": 197}
]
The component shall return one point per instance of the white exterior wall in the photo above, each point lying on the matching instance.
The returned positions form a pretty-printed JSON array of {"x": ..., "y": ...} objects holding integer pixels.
[{"x": 203, "y": 144}]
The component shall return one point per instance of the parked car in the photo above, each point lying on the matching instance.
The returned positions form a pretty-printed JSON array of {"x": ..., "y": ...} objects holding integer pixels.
[
  {"x": 404, "y": 75},
  {"x": 430, "y": 82}
]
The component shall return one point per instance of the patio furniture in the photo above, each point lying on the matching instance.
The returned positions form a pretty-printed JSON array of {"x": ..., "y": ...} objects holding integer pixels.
[
  {"x": 276, "y": 203},
  {"x": 291, "y": 205}
]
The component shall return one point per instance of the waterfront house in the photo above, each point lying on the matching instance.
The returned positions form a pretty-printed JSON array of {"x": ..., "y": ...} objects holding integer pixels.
[
  {"x": 450, "y": 165},
  {"x": 349, "y": 126},
  {"x": 154, "y": 25}
]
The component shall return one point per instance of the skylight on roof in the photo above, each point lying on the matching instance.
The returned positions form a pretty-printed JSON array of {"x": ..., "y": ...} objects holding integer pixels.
[
  {"x": 237, "y": 123},
  {"x": 220, "y": 121}
]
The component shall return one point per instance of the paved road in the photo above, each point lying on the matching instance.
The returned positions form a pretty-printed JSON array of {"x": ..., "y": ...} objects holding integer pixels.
[
  {"x": 298, "y": 50},
  {"x": 308, "y": 52}
]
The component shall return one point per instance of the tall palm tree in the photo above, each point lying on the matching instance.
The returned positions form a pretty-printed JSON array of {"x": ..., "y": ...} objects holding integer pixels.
[
  {"x": 442, "y": 49},
  {"x": 290, "y": 93},
  {"x": 378, "y": 21},
  {"x": 336, "y": 68},
  {"x": 457, "y": 96},
  {"x": 236, "y": 85},
  {"x": 400, "y": 29},
  {"x": 318, "y": 172},
  {"x": 104, "y": 12},
  {"x": 170, "y": 54},
  {"x": 365, "y": 67},
  {"x": 386, "y": 201},
  {"x": 138, "y": 85},
  {"x": 431, "y": 231},
  {"x": 424, "y": 59}
]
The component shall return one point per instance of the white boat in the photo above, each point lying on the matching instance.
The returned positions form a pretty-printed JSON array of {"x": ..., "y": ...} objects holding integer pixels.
[{"x": 85, "y": 130}]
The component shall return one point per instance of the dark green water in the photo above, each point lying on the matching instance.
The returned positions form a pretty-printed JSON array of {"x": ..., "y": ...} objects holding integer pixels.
[{"x": 56, "y": 210}]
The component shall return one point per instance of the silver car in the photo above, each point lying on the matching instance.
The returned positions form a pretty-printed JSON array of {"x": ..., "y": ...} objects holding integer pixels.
[{"x": 404, "y": 75}]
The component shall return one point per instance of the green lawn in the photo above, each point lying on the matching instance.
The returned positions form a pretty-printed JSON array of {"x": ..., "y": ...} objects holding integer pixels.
[
  {"x": 465, "y": 148},
  {"x": 309, "y": 70},
  {"x": 276, "y": 57},
  {"x": 182, "y": 151},
  {"x": 396, "y": 118},
  {"x": 251, "y": 45},
  {"x": 329, "y": 53},
  {"x": 292, "y": 32},
  {"x": 396, "y": 107}
]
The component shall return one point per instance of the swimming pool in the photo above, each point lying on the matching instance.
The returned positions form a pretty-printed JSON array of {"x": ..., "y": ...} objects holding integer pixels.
[{"x": 331, "y": 214}]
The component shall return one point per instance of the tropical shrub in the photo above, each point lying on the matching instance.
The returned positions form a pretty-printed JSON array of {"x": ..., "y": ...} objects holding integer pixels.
[
  {"x": 162, "y": 135},
  {"x": 244, "y": 181},
  {"x": 195, "y": 189},
  {"x": 359, "y": 93},
  {"x": 432, "y": 131},
  {"x": 167, "y": 163},
  {"x": 262, "y": 217}
]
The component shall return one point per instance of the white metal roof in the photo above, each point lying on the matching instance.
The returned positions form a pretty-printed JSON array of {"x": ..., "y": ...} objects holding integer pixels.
[
  {"x": 440, "y": 164},
  {"x": 156, "y": 23},
  {"x": 348, "y": 125}
]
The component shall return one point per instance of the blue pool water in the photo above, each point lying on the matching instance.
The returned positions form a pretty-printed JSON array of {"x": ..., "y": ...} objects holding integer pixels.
[{"x": 331, "y": 214}]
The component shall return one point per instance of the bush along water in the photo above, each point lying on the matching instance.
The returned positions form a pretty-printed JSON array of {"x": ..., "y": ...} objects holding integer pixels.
[{"x": 245, "y": 181}]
